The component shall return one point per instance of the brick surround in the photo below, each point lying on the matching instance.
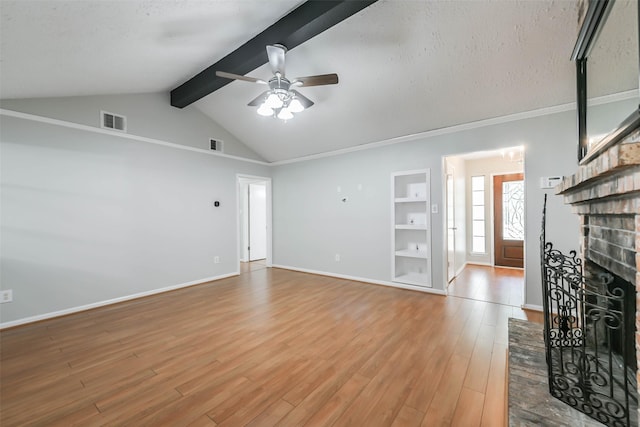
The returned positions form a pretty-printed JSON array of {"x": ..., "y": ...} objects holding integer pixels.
[{"x": 605, "y": 193}]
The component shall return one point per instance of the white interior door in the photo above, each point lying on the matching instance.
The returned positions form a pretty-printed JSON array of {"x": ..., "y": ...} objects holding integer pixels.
[
  {"x": 257, "y": 221},
  {"x": 451, "y": 229}
]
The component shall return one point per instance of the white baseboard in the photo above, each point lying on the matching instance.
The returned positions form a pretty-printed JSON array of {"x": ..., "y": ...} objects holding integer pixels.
[
  {"x": 488, "y": 264},
  {"x": 531, "y": 307},
  {"x": 364, "y": 280},
  {"x": 78, "y": 309}
]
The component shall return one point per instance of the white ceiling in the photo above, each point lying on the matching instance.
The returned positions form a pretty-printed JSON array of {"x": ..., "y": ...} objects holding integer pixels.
[{"x": 405, "y": 66}]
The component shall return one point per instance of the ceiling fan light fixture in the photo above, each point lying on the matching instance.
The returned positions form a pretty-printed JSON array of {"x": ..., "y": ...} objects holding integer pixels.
[
  {"x": 285, "y": 114},
  {"x": 265, "y": 110},
  {"x": 273, "y": 101},
  {"x": 295, "y": 106}
]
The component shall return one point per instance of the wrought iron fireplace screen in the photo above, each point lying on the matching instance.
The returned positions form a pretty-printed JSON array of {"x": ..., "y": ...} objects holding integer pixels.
[{"x": 582, "y": 317}]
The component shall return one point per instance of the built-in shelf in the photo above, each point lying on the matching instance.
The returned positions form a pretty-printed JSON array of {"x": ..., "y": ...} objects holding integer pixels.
[
  {"x": 411, "y": 227},
  {"x": 412, "y": 253},
  {"x": 410, "y": 200},
  {"x": 411, "y": 223}
]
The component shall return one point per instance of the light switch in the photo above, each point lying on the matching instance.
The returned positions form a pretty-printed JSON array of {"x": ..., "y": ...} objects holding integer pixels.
[
  {"x": 434, "y": 208},
  {"x": 549, "y": 181}
]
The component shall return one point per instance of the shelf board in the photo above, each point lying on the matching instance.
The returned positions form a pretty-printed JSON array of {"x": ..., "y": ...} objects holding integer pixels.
[
  {"x": 411, "y": 227},
  {"x": 410, "y": 199},
  {"x": 418, "y": 279},
  {"x": 412, "y": 253}
]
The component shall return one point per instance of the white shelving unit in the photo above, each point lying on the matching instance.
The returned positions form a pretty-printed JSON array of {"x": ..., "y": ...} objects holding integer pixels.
[{"x": 411, "y": 227}]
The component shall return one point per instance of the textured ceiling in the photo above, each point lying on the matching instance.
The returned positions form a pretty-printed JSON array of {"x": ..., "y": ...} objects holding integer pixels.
[
  {"x": 91, "y": 47},
  {"x": 405, "y": 66}
]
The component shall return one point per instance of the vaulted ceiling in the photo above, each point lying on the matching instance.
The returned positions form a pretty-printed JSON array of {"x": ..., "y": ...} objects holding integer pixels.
[{"x": 405, "y": 66}]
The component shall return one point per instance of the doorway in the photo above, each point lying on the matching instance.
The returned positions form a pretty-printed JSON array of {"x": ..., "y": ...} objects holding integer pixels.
[
  {"x": 470, "y": 223},
  {"x": 508, "y": 220},
  {"x": 257, "y": 218},
  {"x": 254, "y": 219}
]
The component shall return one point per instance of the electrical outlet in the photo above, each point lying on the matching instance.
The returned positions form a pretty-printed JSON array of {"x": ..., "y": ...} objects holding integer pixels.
[
  {"x": 6, "y": 296},
  {"x": 337, "y": 257},
  {"x": 216, "y": 260}
]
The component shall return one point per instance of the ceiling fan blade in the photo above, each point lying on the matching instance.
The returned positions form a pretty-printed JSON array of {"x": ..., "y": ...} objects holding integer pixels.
[
  {"x": 319, "y": 80},
  {"x": 232, "y": 76},
  {"x": 276, "y": 58},
  {"x": 259, "y": 99},
  {"x": 306, "y": 102}
]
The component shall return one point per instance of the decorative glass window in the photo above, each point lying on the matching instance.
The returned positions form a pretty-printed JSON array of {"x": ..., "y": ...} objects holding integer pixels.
[
  {"x": 478, "y": 239},
  {"x": 513, "y": 210}
]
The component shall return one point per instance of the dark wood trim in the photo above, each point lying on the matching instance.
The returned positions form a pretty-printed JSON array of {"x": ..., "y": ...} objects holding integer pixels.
[{"x": 303, "y": 23}]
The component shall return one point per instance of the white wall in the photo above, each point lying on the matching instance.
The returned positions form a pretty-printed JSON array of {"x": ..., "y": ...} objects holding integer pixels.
[
  {"x": 487, "y": 167},
  {"x": 88, "y": 217},
  {"x": 311, "y": 224},
  {"x": 148, "y": 114}
]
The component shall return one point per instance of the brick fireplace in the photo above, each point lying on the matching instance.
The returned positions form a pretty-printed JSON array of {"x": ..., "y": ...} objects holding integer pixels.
[{"x": 605, "y": 193}]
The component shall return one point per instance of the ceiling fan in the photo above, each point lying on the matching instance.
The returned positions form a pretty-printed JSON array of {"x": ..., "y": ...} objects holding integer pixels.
[{"x": 281, "y": 100}]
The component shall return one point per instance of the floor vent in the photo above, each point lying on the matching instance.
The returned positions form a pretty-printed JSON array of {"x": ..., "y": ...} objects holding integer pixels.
[
  {"x": 215, "y": 144},
  {"x": 113, "y": 121}
]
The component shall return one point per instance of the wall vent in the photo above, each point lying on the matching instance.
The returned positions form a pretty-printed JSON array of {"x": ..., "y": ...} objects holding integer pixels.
[
  {"x": 215, "y": 144},
  {"x": 113, "y": 121}
]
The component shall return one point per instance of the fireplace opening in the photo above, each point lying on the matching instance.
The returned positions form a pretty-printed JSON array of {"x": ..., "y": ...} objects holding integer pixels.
[{"x": 621, "y": 340}]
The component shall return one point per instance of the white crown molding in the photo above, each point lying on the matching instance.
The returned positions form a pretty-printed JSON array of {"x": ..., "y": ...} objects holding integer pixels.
[
  {"x": 466, "y": 126},
  {"x": 86, "y": 307},
  {"x": 119, "y": 134},
  {"x": 621, "y": 96},
  {"x": 363, "y": 279}
]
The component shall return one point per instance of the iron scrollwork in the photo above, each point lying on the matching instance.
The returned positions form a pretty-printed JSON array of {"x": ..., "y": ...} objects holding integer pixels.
[{"x": 581, "y": 317}]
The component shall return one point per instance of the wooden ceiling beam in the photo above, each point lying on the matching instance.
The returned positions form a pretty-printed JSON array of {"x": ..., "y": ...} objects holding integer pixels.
[{"x": 303, "y": 23}]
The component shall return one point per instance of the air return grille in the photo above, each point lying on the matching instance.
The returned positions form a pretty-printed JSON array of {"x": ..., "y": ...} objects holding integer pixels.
[
  {"x": 113, "y": 121},
  {"x": 215, "y": 144}
]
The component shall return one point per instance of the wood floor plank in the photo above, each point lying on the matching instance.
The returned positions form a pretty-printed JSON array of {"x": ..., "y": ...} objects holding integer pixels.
[
  {"x": 408, "y": 417},
  {"x": 327, "y": 414},
  {"x": 478, "y": 370},
  {"x": 271, "y": 415},
  {"x": 469, "y": 409},
  {"x": 268, "y": 347},
  {"x": 495, "y": 396},
  {"x": 445, "y": 401}
]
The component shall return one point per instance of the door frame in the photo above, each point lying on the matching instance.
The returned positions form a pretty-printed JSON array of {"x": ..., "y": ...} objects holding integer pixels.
[
  {"x": 451, "y": 263},
  {"x": 244, "y": 177}
]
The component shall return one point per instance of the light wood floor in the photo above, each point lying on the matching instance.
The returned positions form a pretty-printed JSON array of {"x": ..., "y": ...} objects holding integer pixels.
[
  {"x": 270, "y": 347},
  {"x": 490, "y": 284}
]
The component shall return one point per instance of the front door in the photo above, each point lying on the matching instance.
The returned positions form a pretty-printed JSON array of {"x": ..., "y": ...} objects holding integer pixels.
[{"x": 508, "y": 208}]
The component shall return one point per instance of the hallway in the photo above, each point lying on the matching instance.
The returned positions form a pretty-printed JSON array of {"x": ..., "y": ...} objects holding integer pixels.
[{"x": 490, "y": 284}]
